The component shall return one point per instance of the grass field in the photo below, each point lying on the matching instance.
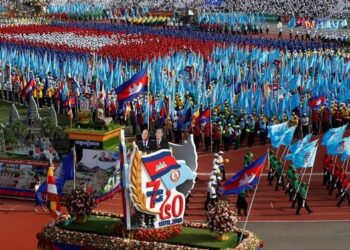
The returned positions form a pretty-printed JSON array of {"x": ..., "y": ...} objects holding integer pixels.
[
  {"x": 5, "y": 108},
  {"x": 202, "y": 238},
  {"x": 192, "y": 237},
  {"x": 97, "y": 129},
  {"x": 95, "y": 224}
]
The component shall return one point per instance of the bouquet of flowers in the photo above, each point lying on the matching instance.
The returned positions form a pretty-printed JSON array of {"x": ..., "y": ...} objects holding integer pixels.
[
  {"x": 222, "y": 218},
  {"x": 79, "y": 202}
]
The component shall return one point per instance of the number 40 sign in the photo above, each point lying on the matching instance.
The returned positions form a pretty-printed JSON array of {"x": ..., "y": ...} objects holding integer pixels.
[{"x": 158, "y": 186}]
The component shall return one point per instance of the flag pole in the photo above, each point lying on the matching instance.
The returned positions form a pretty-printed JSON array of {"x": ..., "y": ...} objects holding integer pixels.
[
  {"x": 74, "y": 166},
  {"x": 308, "y": 183},
  {"x": 342, "y": 166},
  {"x": 211, "y": 130},
  {"x": 251, "y": 203},
  {"x": 249, "y": 210},
  {"x": 283, "y": 152},
  {"x": 278, "y": 149},
  {"x": 302, "y": 177},
  {"x": 47, "y": 181},
  {"x": 320, "y": 125},
  {"x": 148, "y": 103},
  {"x": 284, "y": 164},
  {"x": 124, "y": 173},
  {"x": 347, "y": 164}
]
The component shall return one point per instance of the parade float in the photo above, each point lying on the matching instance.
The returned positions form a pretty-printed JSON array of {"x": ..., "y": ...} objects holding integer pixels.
[
  {"x": 154, "y": 190},
  {"x": 28, "y": 143}
]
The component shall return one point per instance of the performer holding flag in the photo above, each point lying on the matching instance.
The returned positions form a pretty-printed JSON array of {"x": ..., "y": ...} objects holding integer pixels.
[{"x": 245, "y": 180}]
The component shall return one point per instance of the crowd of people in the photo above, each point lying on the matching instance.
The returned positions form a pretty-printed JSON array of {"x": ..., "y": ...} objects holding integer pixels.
[
  {"x": 332, "y": 8},
  {"x": 219, "y": 84},
  {"x": 309, "y": 8},
  {"x": 296, "y": 187},
  {"x": 229, "y": 126},
  {"x": 335, "y": 177}
]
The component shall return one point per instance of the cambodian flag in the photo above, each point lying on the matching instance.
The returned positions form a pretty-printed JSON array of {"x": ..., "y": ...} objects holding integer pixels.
[
  {"x": 132, "y": 88},
  {"x": 317, "y": 101},
  {"x": 159, "y": 163},
  {"x": 246, "y": 178},
  {"x": 204, "y": 117},
  {"x": 73, "y": 101},
  {"x": 274, "y": 87},
  {"x": 29, "y": 88}
]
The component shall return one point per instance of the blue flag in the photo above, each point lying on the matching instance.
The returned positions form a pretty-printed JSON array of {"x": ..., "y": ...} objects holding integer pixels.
[
  {"x": 275, "y": 133},
  {"x": 292, "y": 22},
  {"x": 304, "y": 157},
  {"x": 172, "y": 179},
  {"x": 346, "y": 152},
  {"x": 187, "y": 112},
  {"x": 333, "y": 136},
  {"x": 299, "y": 144},
  {"x": 68, "y": 167},
  {"x": 342, "y": 148},
  {"x": 67, "y": 171},
  {"x": 287, "y": 137}
]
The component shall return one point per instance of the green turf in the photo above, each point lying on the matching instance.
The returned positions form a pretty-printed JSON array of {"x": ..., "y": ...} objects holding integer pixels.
[
  {"x": 97, "y": 129},
  {"x": 203, "y": 238},
  {"x": 15, "y": 156},
  {"x": 95, "y": 224}
]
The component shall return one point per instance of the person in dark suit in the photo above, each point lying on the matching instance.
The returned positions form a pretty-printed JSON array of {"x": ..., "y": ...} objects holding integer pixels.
[
  {"x": 161, "y": 142},
  {"x": 146, "y": 145}
]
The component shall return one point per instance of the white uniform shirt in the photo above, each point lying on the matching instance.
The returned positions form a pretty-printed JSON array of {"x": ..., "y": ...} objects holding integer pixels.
[{"x": 212, "y": 193}]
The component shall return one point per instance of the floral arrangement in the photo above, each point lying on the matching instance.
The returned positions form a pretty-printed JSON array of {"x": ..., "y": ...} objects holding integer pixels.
[
  {"x": 51, "y": 233},
  {"x": 222, "y": 218},
  {"x": 79, "y": 202},
  {"x": 250, "y": 240},
  {"x": 157, "y": 234}
]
